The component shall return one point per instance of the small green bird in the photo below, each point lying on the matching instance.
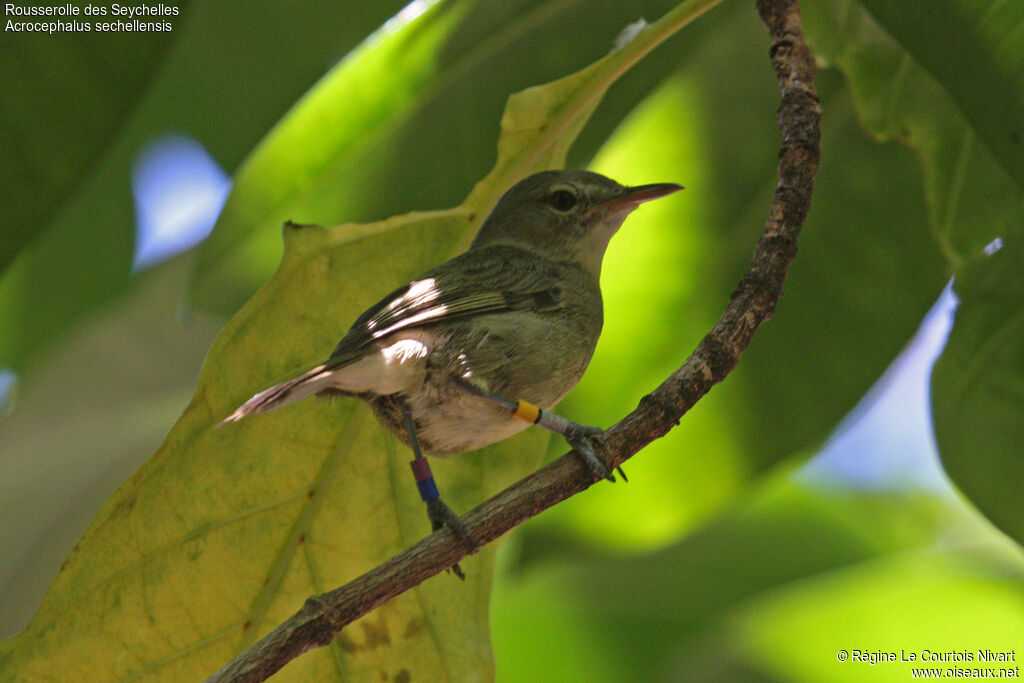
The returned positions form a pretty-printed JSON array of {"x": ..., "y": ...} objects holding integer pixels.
[{"x": 479, "y": 348}]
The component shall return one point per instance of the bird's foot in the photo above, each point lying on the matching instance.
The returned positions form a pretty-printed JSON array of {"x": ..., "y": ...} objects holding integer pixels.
[
  {"x": 578, "y": 437},
  {"x": 442, "y": 516}
]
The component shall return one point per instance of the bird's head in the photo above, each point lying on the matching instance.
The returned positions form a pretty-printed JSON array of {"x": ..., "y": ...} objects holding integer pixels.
[{"x": 565, "y": 216}]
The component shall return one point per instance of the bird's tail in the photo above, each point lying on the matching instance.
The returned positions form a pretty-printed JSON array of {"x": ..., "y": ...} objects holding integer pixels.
[{"x": 311, "y": 382}]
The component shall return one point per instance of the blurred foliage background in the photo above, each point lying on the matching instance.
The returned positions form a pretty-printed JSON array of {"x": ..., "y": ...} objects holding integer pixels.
[{"x": 789, "y": 517}]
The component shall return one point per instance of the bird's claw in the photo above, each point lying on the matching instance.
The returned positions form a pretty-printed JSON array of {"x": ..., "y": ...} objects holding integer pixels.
[
  {"x": 578, "y": 437},
  {"x": 442, "y": 516}
]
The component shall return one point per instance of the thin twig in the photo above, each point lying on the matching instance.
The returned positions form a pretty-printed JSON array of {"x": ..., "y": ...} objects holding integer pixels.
[{"x": 753, "y": 302}]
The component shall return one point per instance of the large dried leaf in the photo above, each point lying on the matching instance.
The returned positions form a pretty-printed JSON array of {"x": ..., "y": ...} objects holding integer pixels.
[{"x": 224, "y": 532}]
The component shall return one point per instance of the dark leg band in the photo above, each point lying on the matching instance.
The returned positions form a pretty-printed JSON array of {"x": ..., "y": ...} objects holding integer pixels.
[{"x": 424, "y": 480}]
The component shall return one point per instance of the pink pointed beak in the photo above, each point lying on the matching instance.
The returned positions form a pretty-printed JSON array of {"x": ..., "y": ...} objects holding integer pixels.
[{"x": 635, "y": 196}]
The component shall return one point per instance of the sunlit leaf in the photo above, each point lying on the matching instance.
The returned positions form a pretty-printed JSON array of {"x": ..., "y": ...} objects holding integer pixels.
[
  {"x": 687, "y": 612},
  {"x": 855, "y": 294},
  {"x": 298, "y": 171},
  {"x": 882, "y": 620},
  {"x": 656, "y": 309},
  {"x": 352, "y": 150}
]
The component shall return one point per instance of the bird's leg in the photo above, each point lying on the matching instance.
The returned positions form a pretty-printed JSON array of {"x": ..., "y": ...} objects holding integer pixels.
[
  {"x": 576, "y": 434},
  {"x": 439, "y": 513}
]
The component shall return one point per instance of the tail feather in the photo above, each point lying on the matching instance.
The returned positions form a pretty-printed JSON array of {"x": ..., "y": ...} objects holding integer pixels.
[{"x": 308, "y": 383}]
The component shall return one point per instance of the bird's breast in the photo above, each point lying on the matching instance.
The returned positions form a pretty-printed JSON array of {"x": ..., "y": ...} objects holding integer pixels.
[{"x": 529, "y": 356}]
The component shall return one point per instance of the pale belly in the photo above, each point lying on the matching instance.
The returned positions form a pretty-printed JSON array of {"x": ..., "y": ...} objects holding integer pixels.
[
  {"x": 450, "y": 419},
  {"x": 464, "y": 424},
  {"x": 460, "y": 422}
]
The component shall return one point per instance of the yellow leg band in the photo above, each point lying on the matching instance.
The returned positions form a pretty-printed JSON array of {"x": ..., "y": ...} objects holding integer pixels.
[{"x": 527, "y": 412}]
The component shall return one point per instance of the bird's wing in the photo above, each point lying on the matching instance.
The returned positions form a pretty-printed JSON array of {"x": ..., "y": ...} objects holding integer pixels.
[
  {"x": 503, "y": 279},
  {"x": 489, "y": 280}
]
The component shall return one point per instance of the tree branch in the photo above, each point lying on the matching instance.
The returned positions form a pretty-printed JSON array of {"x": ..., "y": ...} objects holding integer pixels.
[{"x": 752, "y": 303}]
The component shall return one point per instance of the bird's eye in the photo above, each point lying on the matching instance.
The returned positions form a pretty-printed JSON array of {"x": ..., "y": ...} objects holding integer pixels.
[{"x": 562, "y": 200}]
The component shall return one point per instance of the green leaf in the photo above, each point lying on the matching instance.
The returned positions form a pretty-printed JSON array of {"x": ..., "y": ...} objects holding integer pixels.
[
  {"x": 654, "y": 284},
  {"x": 351, "y": 150},
  {"x": 224, "y": 532},
  {"x": 346, "y": 112},
  {"x": 973, "y": 180},
  {"x": 211, "y": 67},
  {"x": 967, "y": 51},
  {"x": 918, "y": 607},
  {"x": 835, "y": 570},
  {"x": 866, "y": 274},
  {"x": 975, "y": 50},
  {"x": 978, "y": 387},
  {"x": 59, "y": 127}
]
